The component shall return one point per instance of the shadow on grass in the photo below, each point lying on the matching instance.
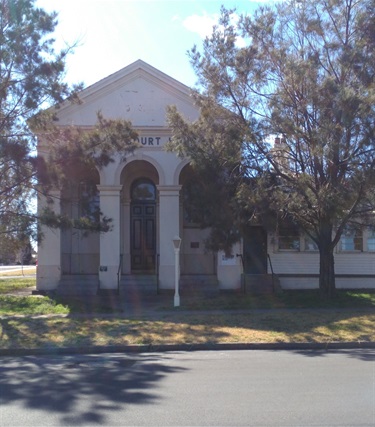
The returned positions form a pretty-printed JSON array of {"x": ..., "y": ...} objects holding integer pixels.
[
  {"x": 285, "y": 299},
  {"x": 231, "y": 301},
  {"x": 82, "y": 390},
  {"x": 267, "y": 326},
  {"x": 263, "y": 319}
]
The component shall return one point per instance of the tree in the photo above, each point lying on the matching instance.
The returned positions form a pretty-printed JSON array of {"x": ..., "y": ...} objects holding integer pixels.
[
  {"x": 213, "y": 145},
  {"x": 32, "y": 80},
  {"x": 305, "y": 76},
  {"x": 30, "y": 77}
]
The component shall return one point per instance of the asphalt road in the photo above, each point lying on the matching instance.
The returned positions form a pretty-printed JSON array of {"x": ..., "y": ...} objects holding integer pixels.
[
  {"x": 205, "y": 388},
  {"x": 6, "y": 270}
]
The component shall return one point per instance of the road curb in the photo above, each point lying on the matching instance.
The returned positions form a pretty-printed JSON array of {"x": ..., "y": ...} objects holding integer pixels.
[{"x": 148, "y": 348}]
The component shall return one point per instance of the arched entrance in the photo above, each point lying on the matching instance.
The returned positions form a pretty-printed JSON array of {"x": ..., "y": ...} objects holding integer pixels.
[
  {"x": 80, "y": 251},
  {"x": 143, "y": 226}
]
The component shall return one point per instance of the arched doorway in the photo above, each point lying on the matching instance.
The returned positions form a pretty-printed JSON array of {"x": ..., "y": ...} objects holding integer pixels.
[{"x": 143, "y": 226}]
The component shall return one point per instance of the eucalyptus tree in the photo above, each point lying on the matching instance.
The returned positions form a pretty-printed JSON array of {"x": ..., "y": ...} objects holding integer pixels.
[{"x": 301, "y": 72}]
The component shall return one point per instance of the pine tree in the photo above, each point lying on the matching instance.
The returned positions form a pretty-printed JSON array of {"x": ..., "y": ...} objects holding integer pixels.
[
  {"x": 32, "y": 86},
  {"x": 301, "y": 71}
]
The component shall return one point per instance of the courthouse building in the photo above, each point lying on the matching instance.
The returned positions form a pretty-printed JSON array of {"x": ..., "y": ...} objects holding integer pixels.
[{"x": 144, "y": 198}]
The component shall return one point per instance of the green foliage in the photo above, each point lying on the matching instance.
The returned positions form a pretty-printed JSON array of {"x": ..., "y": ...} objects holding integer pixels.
[
  {"x": 301, "y": 71},
  {"x": 72, "y": 149},
  {"x": 213, "y": 145}
]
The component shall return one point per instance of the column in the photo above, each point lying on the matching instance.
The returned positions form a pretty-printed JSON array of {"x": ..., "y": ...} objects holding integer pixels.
[
  {"x": 169, "y": 227},
  {"x": 110, "y": 241},
  {"x": 49, "y": 250}
]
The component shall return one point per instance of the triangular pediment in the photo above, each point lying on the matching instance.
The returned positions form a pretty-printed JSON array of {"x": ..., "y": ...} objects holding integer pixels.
[{"x": 139, "y": 93}]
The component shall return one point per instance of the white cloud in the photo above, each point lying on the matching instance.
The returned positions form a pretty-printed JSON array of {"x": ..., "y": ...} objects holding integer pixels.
[
  {"x": 201, "y": 24},
  {"x": 265, "y": 1}
]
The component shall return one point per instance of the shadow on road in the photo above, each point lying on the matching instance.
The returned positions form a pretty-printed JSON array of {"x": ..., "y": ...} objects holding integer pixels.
[
  {"x": 82, "y": 389},
  {"x": 366, "y": 355}
]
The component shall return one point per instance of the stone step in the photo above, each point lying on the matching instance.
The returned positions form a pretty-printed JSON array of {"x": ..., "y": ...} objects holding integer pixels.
[
  {"x": 134, "y": 284},
  {"x": 199, "y": 284},
  {"x": 261, "y": 283},
  {"x": 78, "y": 285}
]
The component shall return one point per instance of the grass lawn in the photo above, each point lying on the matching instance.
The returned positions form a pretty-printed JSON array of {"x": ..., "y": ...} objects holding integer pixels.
[
  {"x": 11, "y": 305},
  {"x": 181, "y": 328},
  {"x": 285, "y": 299},
  {"x": 198, "y": 320},
  {"x": 13, "y": 285}
]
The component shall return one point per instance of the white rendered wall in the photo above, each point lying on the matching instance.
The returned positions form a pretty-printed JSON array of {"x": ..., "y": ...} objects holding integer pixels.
[{"x": 110, "y": 241}]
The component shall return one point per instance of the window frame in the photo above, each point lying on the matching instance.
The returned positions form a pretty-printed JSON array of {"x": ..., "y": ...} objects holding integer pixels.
[
  {"x": 370, "y": 236},
  {"x": 355, "y": 238},
  {"x": 294, "y": 237}
]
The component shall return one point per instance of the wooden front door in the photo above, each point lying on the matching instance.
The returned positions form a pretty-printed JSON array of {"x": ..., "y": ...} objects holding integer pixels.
[
  {"x": 143, "y": 237},
  {"x": 143, "y": 228},
  {"x": 255, "y": 251}
]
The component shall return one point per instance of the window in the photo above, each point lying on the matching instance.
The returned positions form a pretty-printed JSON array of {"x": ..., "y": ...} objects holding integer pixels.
[
  {"x": 143, "y": 190},
  {"x": 310, "y": 245},
  {"x": 288, "y": 238},
  {"x": 371, "y": 240},
  {"x": 193, "y": 206},
  {"x": 352, "y": 240},
  {"x": 89, "y": 200}
]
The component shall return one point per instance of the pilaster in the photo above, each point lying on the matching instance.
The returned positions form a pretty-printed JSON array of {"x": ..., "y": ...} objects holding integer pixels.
[
  {"x": 49, "y": 249},
  {"x": 110, "y": 241},
  {"x": 169, "y": 227}
]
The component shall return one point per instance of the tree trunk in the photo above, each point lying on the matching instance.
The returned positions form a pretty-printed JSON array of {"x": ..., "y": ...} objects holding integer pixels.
[{"x": 327, "y": 285}]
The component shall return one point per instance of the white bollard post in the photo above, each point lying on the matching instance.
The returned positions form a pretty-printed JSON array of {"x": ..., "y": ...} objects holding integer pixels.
[{"x": 176, "y": 244}]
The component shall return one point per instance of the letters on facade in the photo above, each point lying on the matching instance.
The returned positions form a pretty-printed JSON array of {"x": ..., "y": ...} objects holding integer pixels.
[{"x": 156, "y": 141}]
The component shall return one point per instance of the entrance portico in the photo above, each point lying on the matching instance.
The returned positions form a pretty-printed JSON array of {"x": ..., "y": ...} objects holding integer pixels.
[{"x": 145, "y": 214}]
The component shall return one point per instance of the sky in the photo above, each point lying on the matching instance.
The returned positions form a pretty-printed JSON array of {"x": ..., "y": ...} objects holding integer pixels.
[{"x": 111, "y": 34}]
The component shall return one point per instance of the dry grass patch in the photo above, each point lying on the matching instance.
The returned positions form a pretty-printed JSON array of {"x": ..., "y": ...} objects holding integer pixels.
[{"x": 283, "y": 326}]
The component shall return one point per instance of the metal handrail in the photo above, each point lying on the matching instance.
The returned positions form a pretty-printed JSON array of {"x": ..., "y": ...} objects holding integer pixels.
[
  {"x": 119, "y": 273},
  {"x": 272, "y": 273},
  {"x": 243, "y": 274}
]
